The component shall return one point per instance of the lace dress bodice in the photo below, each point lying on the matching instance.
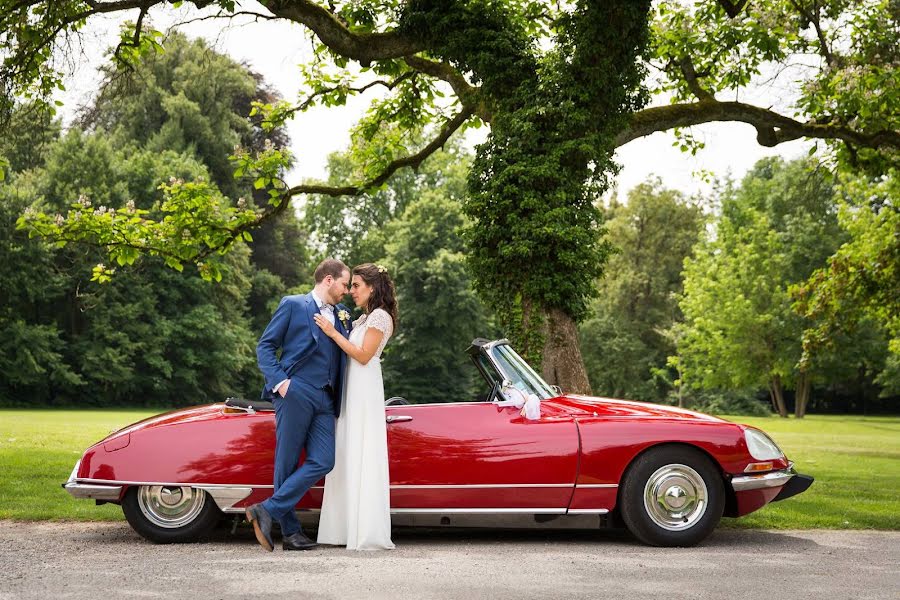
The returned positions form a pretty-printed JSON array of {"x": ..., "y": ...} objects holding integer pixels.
[{"x": 378, "y": 319}]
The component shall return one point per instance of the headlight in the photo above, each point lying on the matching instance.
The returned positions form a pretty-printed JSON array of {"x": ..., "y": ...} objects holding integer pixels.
[{"x": 761, "y": 446}]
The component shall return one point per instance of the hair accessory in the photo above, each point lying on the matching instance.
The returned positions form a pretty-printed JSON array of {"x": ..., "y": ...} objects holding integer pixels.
[{"x": 381, "y": 269}]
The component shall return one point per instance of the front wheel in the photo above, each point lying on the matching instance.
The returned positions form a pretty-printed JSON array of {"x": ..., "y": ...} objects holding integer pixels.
[
  {"x": 170, "y": 514},
  {"x": 672, "y": 496}
]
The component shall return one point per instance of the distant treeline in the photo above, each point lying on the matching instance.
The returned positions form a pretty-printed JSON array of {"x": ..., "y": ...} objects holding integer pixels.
[{"x": 696, "y": 308}]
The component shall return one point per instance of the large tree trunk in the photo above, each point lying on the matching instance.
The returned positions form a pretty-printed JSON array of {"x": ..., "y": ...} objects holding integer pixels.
[
  {"x": 562, "y": 363},
  {"x": 776, "y": 394},
  {"x": 802, "y": 396}
]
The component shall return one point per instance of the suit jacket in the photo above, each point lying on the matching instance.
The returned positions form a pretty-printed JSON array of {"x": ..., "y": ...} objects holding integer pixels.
[{"x": 293, "y": 330}]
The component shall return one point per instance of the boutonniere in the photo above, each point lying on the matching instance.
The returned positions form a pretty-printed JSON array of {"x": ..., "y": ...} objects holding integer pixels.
[{"x": 344, "y": 316}]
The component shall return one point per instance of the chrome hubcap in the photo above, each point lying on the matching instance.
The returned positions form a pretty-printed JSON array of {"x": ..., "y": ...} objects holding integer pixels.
[
  {"x": 170, "y": 506},
  {"x": 675, "y": 497}
]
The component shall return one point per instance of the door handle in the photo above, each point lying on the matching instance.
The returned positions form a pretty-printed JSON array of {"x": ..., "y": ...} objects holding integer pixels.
[{"x": 397, "y": 418}]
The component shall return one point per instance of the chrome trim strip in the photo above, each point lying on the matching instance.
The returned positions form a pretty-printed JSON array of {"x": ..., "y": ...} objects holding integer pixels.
[
  {"x": 109, "y": 493},
  {"x": 224, "y": 486},
  {"x": 478, "y": 486},
  {"x": 581, "y": 486},
  {"x": 481, "y": 511},
  {"x": 226, "y": 497},
  {"x": 206, "y": 486},
  {"x": 491, "y": 345},
  {"x": 469, "y": 511},
  {"x": 743, "y": 483}
]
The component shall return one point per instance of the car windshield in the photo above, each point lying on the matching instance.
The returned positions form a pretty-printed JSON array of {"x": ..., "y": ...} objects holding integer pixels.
[{"x": 517, "y": 371}]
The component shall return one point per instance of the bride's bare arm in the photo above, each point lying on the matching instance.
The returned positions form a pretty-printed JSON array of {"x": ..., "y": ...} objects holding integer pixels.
[{"x": 361, "y": 355}]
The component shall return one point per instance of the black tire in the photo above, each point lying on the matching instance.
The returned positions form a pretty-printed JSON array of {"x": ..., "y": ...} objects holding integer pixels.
[
  {"x": 187, "y": 518},
  {"x": 672, "y": 496}
]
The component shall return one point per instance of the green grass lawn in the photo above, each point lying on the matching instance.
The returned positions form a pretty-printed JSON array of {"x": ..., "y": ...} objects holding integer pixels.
[
  {"x": 856, "y": 463},
  {"x": 38, "y": 449},
  {"x": 855, "y": 460}
]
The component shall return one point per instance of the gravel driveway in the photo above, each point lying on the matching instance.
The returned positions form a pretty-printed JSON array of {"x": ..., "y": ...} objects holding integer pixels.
[{"x": 108, "y": 560}]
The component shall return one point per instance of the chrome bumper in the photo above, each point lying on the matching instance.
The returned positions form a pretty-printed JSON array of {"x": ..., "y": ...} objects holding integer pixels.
[
  {"x": 91, "y": 491},
  {"x": 742, "y": 483},
  {"x": 108, "y": 493}
]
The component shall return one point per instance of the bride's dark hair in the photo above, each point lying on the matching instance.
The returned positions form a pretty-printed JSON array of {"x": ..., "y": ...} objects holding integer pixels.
[{"x": 383, "y": 294}]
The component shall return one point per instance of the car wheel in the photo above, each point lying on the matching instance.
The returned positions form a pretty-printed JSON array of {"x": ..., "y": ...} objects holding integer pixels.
[
  {"x": 672, "y": 496},
  {"x": 170, "y": 514}
]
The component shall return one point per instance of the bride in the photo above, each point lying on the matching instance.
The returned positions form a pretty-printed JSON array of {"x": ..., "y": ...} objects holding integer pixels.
[{"x": 356, "y": 507}]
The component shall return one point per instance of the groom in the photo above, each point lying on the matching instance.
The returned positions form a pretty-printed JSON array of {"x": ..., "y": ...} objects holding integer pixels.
[{"x": 305, "y": 386}]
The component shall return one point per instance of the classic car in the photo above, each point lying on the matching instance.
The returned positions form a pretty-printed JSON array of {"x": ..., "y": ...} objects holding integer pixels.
[{"x": 667, "y": 474}]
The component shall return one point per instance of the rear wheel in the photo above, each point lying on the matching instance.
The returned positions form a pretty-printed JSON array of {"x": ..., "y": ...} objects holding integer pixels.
[
  {"x": 672, "y": 496},
  {"x": 170, "y": 514}
]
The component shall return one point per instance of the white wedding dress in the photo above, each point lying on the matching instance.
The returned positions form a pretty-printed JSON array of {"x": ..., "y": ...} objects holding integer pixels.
[{"x": 356, "y": 506}]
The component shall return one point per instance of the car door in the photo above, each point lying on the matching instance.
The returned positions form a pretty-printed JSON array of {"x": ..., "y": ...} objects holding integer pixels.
[{"x": 480, "y": 457}]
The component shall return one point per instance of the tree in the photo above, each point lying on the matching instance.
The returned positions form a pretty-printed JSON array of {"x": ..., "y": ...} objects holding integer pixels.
[
  {"x": 859, "y": 285},
  {"x": 740, "y": 328},
  {"x": 151, "y": 336},
  {"x": 560, "y": 85},
  {"x": 625, "y": 341},
  {"x": 32, "y": 356}
]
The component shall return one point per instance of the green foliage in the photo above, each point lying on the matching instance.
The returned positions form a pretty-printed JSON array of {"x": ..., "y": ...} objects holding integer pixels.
[
  {"x": 857, "y": 84},
  {"x": 351, "y": 227},
  {"x": 624, "y": 342},
  {"x": 193, "y": 217},
  {"x": 727, "y": 51},
  {"x": 723, "y": 402},
  {"x": 33, "y": 131},
  {"x": 860, "y": 283},
  {"x": 740, "y": 330},
  {"x": 150, "y": 335}
]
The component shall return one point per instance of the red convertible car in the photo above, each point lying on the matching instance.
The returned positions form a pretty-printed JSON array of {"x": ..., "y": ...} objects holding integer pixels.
[{"x": 667, "y": 474}]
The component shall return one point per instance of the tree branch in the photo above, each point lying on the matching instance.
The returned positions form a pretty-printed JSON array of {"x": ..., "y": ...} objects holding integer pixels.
[
  {"x": 358, "y": 90},
  {"x": 136, "y": 38},
  {"x": 365, "y": 48},
  {"x": 467, "y": 94},
  {"x": 686, "y": 65},
  {"x": 814, "y": 18},
  {"x": 772, "y": 128},
  {"x": 413, "y": 160}
]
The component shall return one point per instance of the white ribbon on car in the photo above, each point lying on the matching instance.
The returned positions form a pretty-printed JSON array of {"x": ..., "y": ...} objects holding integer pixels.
[{"x": 529, "y": 403}]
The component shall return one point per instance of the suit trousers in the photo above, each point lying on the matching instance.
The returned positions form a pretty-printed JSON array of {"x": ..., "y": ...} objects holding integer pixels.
[{"x": 304, "y": 419}]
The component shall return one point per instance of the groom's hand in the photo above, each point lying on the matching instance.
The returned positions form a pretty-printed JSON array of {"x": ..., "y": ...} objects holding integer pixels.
[{"x": 283, "y": 388}]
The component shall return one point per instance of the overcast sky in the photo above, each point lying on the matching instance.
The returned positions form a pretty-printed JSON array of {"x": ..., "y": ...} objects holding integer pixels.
[{"x": 274, "y": 49}]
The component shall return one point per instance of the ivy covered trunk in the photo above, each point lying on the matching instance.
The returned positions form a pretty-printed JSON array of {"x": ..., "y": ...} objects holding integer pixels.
[
  {"x": 562, "y": 363},
  {"x": 536, "y": 235}
]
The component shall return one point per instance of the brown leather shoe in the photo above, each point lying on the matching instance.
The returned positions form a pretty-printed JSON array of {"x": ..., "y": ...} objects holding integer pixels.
[
  {"x": 262, "y": 525},
  {"x": 297, "y": 541}
]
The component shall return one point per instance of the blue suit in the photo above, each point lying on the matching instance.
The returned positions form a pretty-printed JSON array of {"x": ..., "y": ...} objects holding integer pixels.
[{"x": 305, "y": 417}]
